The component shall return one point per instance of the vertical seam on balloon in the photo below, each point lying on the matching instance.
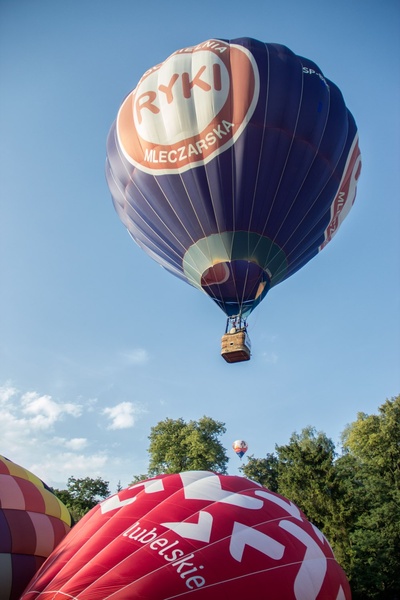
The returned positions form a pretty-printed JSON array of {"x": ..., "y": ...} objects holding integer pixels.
[
  {"x": 172, "y": 209},
  {"x": 150, "y": 244},
  {"x": 251, "y": 291},
  {"x": 191, "y": 204},
  {"x": 211, "y": 295},
  {"x": 125, "y": 201},
  {"x": 217, "y": 165},
  {"x": 137, "y": 227},
  {"x": 305, "y": 178},
  {"x": 205, "y": 237},
  {"x": 168, "y": 262},
  {"x": 322, "y": 189},
  {"x": 210, "y": 292},
  {"x": 259, "y": 159},
  {"x": 262, "y": 136},
  {"x": 154, "y": 212},
  {"x": 187, "y": 190},
  {"x": 310, "y": 245},
  {"x": 233, "y": 173},
  {"x": 284, "y": 167},
  {"x": 220, "y": 300}
]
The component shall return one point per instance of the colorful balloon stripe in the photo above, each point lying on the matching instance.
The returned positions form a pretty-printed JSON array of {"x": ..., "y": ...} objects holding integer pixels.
[{"x": 33, "y": 521}]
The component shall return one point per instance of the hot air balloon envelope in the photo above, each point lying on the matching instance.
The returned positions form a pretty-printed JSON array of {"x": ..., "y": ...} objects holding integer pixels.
[
  {"x": 32, "y": 522},
  {"x": 232, "y": 164},
  {"x": 193, "y": 534},
  {"x": 240, "y": 447}
]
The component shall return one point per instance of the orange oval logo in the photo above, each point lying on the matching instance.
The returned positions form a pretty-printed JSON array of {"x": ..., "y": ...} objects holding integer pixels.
[{"x": 189, "y": 108}]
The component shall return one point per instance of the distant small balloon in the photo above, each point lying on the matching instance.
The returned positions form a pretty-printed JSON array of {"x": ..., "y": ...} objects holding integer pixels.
[{"x": 240, "y": 447}]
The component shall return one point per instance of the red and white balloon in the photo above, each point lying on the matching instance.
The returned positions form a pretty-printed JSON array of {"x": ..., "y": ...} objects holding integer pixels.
[{"x": 213, "y": 536}]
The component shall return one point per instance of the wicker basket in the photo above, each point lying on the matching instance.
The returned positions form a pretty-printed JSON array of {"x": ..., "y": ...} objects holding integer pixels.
[{"x": 234, "y": 347}]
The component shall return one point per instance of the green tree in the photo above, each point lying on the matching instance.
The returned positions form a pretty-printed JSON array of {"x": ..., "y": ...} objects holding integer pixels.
[
  {"x": 307, "y": 474},
  {"x": 374, "y": 443},
  {"x": 263, "y": 470},
  {"x": 83, "y": 494},
  {"x": 348, "y": 502},
  {"x": 139, "y": 478},
  {"x": 353, "y": 498},
  {"x": 177, "y": 446},
  {"x": 306, "y": 471}
]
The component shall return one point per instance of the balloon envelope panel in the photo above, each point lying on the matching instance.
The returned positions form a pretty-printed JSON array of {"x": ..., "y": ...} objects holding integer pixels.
[
  {"x": 232, "y": 164},
  {"x": 32, "y": 522},
  {"x": 194, "y": 533}
]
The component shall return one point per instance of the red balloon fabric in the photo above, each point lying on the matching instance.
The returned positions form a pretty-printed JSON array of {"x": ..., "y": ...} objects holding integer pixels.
[
  {"x": 196, "y": 533},
  {"x": 32, "y": 522}
]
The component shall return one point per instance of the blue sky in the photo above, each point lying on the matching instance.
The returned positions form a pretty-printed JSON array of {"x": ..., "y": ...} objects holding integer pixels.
[{"x": 97, "y": 342}]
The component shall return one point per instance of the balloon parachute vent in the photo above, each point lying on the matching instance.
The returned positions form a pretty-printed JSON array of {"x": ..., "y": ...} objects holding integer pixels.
[{"x": 235, "y": 345}]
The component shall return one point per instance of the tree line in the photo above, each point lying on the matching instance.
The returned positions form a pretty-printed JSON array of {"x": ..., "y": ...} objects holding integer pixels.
[{"x": 352, "y": 494}]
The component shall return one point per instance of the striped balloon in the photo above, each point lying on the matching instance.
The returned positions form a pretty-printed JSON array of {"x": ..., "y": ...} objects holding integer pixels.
[{"x": 32, "y": 523}]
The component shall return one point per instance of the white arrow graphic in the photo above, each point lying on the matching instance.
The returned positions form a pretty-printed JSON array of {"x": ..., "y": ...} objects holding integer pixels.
[
  {"x": 114, "y": 502},
  {"x": 242, "y": 536},
  {"x": 200, "y": 531},
  {"x": 288, "y": 506},
  {"x": 341, "y": 594},
  {"x": 312, "y": 572},
  {"x": 155, "y": 485},
  {"x": 200, "y": 485}
]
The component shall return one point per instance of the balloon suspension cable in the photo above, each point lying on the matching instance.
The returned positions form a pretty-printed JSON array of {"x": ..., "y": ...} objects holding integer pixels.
[{"x": 235, "y": 323}]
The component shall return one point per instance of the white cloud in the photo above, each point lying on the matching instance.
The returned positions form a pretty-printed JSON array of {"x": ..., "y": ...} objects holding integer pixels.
[
  {"x": 42, "y": 411},
  {"x": 56, "y": 439},
  {"x": 270, "y": 357},
  {"x": 59, "y": 466},
  {"x": 25, "y": 422},
  {"x": 72, "y": 444},
  {"x": 26, "y": 419},
  {"x": 7, "y": 391},
  {"x": 137, "y": 356},
  {"x": 122, "y": 416},
  {"x": 76, "y": 443}
]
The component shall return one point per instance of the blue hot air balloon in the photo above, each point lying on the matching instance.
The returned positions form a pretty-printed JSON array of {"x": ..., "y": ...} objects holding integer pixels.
[{"x": 232, "y": 164}]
